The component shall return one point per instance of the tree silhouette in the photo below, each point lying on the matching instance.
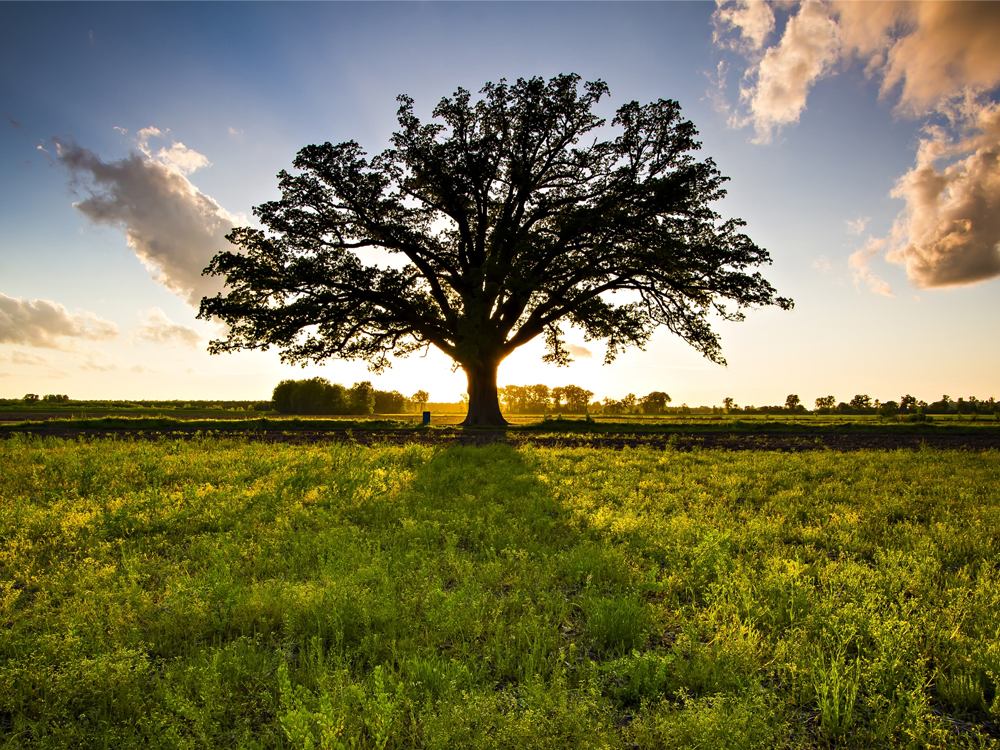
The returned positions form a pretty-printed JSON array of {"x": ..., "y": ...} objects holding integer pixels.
[
  {"x": 655, "y": 402},
  {"x": 825, "y": 402},
  {"x": 420, "y": 398},
  {"x": 512, "y": 220}
]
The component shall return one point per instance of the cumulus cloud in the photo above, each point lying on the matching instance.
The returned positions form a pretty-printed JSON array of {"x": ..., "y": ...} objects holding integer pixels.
[
  {"x": 174, "y": 229},
  {"x": 808, "y": 49},
  {"x": 579, "y": 351},
  {"x": 46, "y": 324},
  {"x": 141, "y": 369},
  {"x": 753, "y": 20},
  {"x": 934, "y": 53},
  {"x": 941, "y": 60},
  {"x": 159, "y": 329},
  {"x": 949, "y": 231},
  {"x": 178, "y": 158},
  {"x": 931, "y": 49}
]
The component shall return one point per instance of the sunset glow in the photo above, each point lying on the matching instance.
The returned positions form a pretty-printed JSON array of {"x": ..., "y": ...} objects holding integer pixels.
[{"x": 862, "y": 141}]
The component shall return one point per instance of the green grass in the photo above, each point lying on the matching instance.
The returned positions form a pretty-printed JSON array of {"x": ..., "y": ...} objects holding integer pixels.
[{"x": 220, "y": 593}]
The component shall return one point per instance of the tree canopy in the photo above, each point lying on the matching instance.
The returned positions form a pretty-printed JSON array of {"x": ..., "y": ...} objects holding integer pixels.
[{"x": 505, "y": 219}]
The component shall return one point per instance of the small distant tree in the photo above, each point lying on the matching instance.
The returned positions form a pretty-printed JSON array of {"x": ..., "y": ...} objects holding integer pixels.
[
  {"x": 907, "y": 403},
  {"x": 537, "y": 398},
  {"x": 628, "y": 404},
  {"x": 389, "y": 402},
  {"x": 861, "y": 403},
  {"x": 361, "y": 398},
  {"x": 825, "y": 403},
  {"x": 420, "y": 398},
  {"x": 558, "y": 394},
  {"x": 888, "y": 409},
  {"x": 577, "y": 398},
  {"x": 281, "y": 398},
  {"x": 311, "y": 397},
  {"x": 655, "y": 402},
  {"x": 792, "y": 402},
  {"x": 943, "y": 406},
  {"x": 611, "y": 406},
  {"x": 728, "y": 404},
  {"x": 30, "y": 398},
  {"x": 55, "y": 398},
  {"x": 513, "y": 398}
]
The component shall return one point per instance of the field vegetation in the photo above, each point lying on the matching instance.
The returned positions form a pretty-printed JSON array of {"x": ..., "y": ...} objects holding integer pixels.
[{"x": 222, "y": 593}]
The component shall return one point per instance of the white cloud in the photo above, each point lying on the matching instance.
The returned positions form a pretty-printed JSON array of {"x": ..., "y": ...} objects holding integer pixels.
[
  {"x": 174, "y": 229},
  {"x": 858, "y": 225},
  {"x": 159, "y": 329},
  {"x": 141, "y": 369},
  {"x": 858, "y": 263},
  {"x": 808, "y": 49},
  {"x": 234, "y": 131},
  {"x": 822, "y": 264},
  {"x": 753, "y": 19},
  {"x": 932, "y": 50},
  {"x": 46, "y": 324},
  {"x": 949, "y": 231},
  {"x": 934, "y": 53},
  {"x": 942, "y": 59},
  {"x": 579, "y": 351},
  {"x": 178, "y": 158}
]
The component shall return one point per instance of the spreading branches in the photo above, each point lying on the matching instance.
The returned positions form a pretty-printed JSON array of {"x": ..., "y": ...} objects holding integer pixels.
[{"x": 503, "y": 219}]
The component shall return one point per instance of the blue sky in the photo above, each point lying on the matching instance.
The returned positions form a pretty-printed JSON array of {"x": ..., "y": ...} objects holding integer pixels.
[{"x": 831, "y": 148}]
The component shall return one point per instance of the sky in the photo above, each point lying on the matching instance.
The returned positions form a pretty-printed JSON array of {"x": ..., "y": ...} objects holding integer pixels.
[{"x": 862, "y": 141}]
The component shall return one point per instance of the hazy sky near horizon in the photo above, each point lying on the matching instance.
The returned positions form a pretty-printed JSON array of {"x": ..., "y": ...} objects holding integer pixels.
[{"x": 862, "y": 139}]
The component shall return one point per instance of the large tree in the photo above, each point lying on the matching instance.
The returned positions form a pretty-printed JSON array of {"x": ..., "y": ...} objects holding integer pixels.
[{"x": 511, "y": 216}]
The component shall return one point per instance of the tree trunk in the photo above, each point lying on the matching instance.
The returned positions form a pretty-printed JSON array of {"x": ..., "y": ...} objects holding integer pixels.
[{"x": 484, "y": 406}]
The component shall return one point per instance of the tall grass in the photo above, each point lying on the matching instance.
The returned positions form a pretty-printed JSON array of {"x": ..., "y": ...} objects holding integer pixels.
[{"x": 220, "y": 593}]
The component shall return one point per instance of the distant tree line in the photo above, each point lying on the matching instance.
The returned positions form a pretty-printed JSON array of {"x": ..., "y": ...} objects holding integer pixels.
[
  {"x": 571, "y": 399},
  {"x": 49, "y": 398},
  {"x": 864, "y": 404},
  {"x": 320, "y": 396}
]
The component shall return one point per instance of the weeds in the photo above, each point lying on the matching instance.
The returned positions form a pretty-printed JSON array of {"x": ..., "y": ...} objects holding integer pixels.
[{"x": 216, "y": 592}]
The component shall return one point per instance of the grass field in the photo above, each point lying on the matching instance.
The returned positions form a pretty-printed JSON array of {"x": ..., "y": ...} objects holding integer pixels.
[{"x": 222, "y": 593}]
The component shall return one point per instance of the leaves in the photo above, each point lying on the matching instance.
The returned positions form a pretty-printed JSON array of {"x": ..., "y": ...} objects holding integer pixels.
[{"x": 499, "y": 220}]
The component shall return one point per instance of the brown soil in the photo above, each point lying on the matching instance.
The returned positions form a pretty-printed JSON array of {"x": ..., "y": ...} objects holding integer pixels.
[{"x": 689, "y": 441}]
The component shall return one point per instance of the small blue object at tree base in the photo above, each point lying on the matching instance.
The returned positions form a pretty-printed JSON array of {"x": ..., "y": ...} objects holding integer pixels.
[{"x": 427, "y": 417}]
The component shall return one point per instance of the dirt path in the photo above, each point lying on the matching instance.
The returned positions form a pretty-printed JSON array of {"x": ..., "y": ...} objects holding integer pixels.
[{"x": 679, "y": 441}]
